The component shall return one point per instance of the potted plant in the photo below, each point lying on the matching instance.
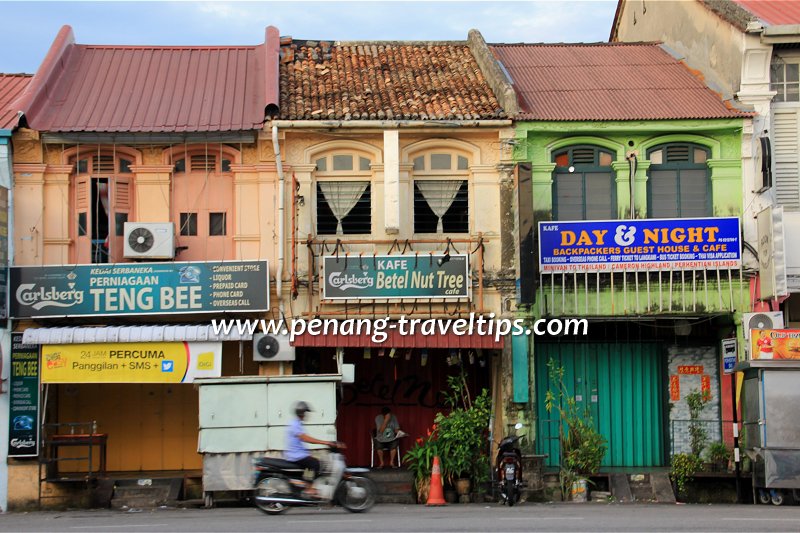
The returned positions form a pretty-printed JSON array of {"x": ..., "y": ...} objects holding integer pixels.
[
  {"x": 462, "y": 435},
  {"x": 582, "y": 446},
  {"x": 683, "y": 468},
  {"x": 419, "y": 460},
  {"x": 718, "y": 455}
]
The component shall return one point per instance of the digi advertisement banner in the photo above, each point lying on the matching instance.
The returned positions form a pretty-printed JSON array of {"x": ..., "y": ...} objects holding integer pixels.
[
  {"x": 648, "y": 244},
  {"x": 23, "y": 434},
  {"x": 380, "y": 277},
  {"x": 139, "y": 289},
  {"x": 146, "y": 362},
  {"x": 775, "y": 344}
]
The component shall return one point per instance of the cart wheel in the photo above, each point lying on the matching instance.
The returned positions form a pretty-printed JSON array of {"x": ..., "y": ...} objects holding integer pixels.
[
  {"x": 763, "y": 496},
  {"x": 777, "y": 497},
  {"x": 208, "y": 500}
]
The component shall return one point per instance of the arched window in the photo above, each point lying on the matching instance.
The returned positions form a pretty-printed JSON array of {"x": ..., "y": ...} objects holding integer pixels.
[
  {"x": 102, "y": 197},
  {"x": 441, "y": 192},
  {"x": 583, "y": 184},
  {"x": 344, "y": 193},
  {"x": 678, "y": 183},
  {"x": 202, "y": 203}
]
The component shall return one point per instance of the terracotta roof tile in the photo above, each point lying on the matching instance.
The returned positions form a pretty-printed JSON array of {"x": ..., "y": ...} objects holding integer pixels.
[
  {"x": 11, "y": 87},
  {"x": 609, "y": 81},
  {"x": 383, "y": 81}
]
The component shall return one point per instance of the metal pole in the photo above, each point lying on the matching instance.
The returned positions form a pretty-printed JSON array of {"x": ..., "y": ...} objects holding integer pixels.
[{"x": 736, "y": 456}]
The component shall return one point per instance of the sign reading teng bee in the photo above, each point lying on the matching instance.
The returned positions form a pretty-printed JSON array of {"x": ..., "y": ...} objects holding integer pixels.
[
  {"x": 139, "y": 289},
  {"x": 379, "y": 277},
  {"x": 649, "y": 244}
]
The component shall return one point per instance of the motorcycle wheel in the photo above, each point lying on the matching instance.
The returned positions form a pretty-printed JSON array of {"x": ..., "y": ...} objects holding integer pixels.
[
  {"x": 272, "y": 486},
  {"x": 356, "y": 494},
  {"x": 511, "y": 496}
]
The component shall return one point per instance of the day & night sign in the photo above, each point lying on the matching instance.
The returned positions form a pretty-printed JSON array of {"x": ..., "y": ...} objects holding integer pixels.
[{"x": 647, "y": 244}]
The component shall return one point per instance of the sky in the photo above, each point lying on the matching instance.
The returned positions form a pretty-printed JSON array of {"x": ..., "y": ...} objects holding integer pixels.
[{"x": 29, "y": 28}]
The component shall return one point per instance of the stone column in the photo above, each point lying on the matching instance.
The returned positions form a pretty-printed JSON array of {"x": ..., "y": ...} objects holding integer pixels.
[
  {"x": 29, "y": 213},
  {"x": 623, "y": 187},
  {"x": 726, "y": 186}
]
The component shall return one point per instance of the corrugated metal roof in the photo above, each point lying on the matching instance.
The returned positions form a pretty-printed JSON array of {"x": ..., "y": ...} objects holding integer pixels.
[
  {"x": 161, "y": 333},
  {"x": 608, "y": 81},
  {"x": 11, "y": 87},
  {"x": 152, "y": 88},
  {"x": 773, "y": 13},
  {"x": 384, "y": 80},
  {"x": 395, "y": 340}
]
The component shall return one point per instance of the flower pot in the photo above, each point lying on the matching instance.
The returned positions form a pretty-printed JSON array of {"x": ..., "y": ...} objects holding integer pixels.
[
  {"x": 423, "y": 489},
  {"x": 450, "y": 496},
  {"x": 578, "y": 492},
  {"x": 463, "y": 486}
]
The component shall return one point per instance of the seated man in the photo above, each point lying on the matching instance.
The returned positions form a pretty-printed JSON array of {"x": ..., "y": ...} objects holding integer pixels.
[
  {"x": 386, "y": 436},
  {"x": 296, "y": 450}
]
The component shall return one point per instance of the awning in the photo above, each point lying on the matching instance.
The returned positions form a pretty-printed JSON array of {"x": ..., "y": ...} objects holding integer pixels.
[
  {"x": 170, "y": 333},
  {"x": 395, "y": 340}
]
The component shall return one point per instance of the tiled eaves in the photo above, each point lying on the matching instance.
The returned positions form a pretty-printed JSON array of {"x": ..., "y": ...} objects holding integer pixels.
[{"x": 384, "y": 80}]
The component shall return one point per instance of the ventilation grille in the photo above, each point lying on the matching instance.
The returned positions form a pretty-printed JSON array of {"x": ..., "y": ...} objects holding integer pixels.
[
  {"x": 204, "y": 163},
  {"x": 103, "y": 164},
  {"x": 677, "y": 154},
  {"x": 583, "y": 156}
]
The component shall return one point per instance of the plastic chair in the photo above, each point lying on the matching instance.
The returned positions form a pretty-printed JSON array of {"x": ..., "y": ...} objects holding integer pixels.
[{"x": 372, "y": 435}]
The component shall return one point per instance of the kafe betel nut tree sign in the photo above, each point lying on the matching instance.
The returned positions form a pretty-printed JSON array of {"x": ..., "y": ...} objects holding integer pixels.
[{"x": 382, "y": 277}]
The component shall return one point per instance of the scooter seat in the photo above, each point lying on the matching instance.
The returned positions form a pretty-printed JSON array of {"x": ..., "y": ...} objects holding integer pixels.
[{"x": 279, "y": 464}]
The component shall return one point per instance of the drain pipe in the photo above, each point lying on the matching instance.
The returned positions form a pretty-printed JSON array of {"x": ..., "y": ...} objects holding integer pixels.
[{"x": 281, "y": 223}]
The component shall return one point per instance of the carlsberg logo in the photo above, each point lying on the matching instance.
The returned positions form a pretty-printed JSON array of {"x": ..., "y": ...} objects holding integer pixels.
[
  {"x": 39, "y": 297},
  {"x": 344, "y": 281}
]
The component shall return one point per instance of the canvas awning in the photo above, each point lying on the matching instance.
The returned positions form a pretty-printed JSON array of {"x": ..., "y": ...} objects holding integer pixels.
[{"x": 164, "y": 333}]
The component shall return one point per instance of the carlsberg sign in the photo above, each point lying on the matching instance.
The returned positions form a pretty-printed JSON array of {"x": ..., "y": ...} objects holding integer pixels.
[{"x": 381, "y": 277}]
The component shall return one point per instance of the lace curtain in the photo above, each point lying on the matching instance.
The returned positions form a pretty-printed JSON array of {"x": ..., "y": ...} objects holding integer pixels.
[
  {"x": 440, "y": 196},
  {"x": 342, "y": 197}
]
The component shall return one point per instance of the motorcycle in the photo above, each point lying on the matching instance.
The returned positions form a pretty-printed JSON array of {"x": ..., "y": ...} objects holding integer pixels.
[
  {"x": 509, "y": 469},
  {"x": 279, "y": 485}
]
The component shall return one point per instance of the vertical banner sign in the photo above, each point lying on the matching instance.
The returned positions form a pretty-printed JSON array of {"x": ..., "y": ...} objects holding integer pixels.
[
  {"x": 3, "y": 253},
  {"x": 675, "y": 388},
  {"x": 23, "y": 434}
]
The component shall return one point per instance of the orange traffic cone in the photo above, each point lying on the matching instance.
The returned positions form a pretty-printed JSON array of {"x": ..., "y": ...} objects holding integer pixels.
[{"x": 436, "y": 492}]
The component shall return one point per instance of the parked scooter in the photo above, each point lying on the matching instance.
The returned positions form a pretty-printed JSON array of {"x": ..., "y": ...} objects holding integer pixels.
[
  {"x": 279, "y": 484},
  {"x": 509, "y": 469}
]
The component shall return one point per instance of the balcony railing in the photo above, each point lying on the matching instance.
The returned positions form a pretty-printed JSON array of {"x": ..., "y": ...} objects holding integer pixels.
[{"x": 641, "y": 293}]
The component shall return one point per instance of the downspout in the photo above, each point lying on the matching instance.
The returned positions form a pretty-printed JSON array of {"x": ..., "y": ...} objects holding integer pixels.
[{"x": 281, "y": 222}]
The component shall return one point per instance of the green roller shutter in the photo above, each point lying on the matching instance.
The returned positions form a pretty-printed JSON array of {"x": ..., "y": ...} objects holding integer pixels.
[{"x": 622, "y": 386}]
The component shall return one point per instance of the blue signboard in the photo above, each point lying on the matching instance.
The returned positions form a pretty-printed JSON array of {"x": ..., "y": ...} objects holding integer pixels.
[
  {"x": 139, "y": 289},
  {"x": 650, "y": 244}
]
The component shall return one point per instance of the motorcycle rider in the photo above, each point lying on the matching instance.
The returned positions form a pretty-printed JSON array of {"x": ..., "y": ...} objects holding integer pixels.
[{"x": 296, "y": 440}]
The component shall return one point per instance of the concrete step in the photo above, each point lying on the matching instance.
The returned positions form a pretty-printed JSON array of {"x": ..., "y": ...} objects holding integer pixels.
[
  {"x": 393, "y": 485},
  {"x": 662, "y": 487},
  {"x": 146, "y": 493},
  {"x": 620, "y": 488}
]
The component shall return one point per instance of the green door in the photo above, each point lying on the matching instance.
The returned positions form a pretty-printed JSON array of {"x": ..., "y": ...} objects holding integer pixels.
[{"x": 621, "y": 384}]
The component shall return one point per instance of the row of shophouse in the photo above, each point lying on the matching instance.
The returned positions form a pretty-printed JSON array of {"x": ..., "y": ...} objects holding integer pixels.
[{"x": 152, "y": 189}]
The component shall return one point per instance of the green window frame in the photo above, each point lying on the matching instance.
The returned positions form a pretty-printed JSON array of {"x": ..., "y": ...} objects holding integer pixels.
[
  {"x": 679, "y": 181},
  {"x": 584, "y": 185}
]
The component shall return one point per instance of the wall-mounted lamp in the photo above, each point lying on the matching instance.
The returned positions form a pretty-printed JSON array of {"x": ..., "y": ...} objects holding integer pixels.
[
  {"x": 301, "y": 200},
  {"x": 444, "y": 259}
]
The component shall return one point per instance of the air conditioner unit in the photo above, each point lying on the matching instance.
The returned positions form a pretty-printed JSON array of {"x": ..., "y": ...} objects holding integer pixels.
[
  {"x": 272, "y": 348},
  {"x": 766, "y": 320},
  {"x": 149, "y": 240}
]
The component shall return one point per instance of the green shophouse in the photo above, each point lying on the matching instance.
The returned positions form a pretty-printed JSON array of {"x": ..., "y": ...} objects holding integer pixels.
[{"x": 615, "y": 132}]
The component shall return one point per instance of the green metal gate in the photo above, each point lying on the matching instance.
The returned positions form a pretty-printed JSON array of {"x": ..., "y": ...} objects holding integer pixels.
[{"x": 622, "y": 385}]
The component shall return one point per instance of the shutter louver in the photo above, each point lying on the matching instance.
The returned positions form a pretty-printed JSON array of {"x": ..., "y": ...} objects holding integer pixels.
[{"x": 785, "y": 158}]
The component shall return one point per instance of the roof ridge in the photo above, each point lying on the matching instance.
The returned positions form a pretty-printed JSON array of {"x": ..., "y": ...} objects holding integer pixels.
[
  {"x": 564, "y": 45},
  {"x": 168, "y": 47}
]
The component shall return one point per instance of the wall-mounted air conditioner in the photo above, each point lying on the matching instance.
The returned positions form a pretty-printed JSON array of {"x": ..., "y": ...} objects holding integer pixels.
[
  {"x": 766, "y": 320},
  {"x": 149, "y": 240},
  {"x": 272, "y": 348}
]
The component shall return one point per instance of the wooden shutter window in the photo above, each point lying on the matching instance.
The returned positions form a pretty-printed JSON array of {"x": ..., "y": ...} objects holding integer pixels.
[
  {"x": 203, "y": 163},
  {"x": 103, "y": 164}
]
